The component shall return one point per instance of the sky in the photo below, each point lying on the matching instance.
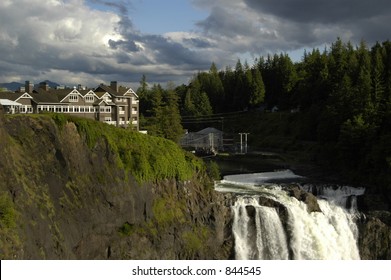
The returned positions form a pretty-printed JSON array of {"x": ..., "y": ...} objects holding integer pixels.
[{"x": 90, "y": 42}]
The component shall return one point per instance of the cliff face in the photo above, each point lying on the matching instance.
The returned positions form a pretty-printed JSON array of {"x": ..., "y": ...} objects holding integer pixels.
[
  {"x": 67, "y": 196},
  {"x": 73, "y": 189},
  {"x": 375, "y": 236}
]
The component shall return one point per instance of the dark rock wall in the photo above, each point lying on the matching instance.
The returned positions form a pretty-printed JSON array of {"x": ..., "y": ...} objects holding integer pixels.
[
  {"x": 375, "y": 236},
  {"x": 73, "y": 202}
]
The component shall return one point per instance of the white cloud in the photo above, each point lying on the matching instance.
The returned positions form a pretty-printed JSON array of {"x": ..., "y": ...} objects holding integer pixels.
[{"x": 70, "y": 39}]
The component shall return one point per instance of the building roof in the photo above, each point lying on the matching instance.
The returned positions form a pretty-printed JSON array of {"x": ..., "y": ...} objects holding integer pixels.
[
  {"x": 122, "y": 91},
  {"x": 56, "y": 96},
  {"x": 10, "y": 95},
  {"x": 7, "y": 102},
  {"x": 42, "y": 96},
  {"x": 105, "y": 88},
  {"x": 209, "y": 130}
]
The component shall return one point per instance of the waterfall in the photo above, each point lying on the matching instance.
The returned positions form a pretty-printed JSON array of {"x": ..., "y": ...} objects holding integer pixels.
[
  {"x": 344, "y": 196},
  {"x": 263, "y": 232},
  {"x": 258, "y": 237}
]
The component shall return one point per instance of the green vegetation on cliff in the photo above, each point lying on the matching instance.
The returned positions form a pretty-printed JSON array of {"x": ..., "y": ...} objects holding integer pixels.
[{"x": 147, "y": 158}]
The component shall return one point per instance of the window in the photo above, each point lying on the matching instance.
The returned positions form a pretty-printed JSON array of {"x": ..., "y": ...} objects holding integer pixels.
[
  {"x": 76, "y": 109},
  {"x": 73, "y": 98},
  {"x": 107, "y": 119},
  {"x": 71, "y": 109},
  {"x": 81, "y": 109},
  {"x": 58, "y": 109},
  {"x": 65, "y": 109},
  {"x": 107, "y": 98},
  {"x": 89, "y": 98},
  {"x": 108, "y": 109}
]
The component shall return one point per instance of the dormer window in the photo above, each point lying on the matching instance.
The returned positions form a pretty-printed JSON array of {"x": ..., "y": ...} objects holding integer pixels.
[
  {"x": 73, "y": 98},
  {"x": 89, "y": 98}
]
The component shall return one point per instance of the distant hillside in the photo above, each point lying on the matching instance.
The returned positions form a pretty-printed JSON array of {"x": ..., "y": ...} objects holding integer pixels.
[
  {"x": 13, "y": 86},
  {"x": 50, "y": 83}
]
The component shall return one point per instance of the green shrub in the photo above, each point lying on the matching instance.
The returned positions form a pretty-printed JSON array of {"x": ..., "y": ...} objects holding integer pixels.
[
  {"x": 213, "y": 170},
  {"x": 7, "y": 212},
  {"x": 146, "y": 157}
]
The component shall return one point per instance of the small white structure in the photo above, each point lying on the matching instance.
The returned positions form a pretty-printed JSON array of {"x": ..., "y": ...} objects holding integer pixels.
[
  {"x": 10, "y": 107},
  {"x": 208, "y": 139}
]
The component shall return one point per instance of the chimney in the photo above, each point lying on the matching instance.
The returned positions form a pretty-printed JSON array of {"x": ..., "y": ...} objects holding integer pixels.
[
  {"x": 22, "y": 89},
  {"x": 114, "y": 85},
  {"x": 44, "y": 86},
  {"x": 29, "y": 87}
]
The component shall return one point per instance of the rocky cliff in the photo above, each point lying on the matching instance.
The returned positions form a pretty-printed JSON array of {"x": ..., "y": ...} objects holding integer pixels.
[
  {"x": 74, "y": 189},
  {"x": 78, "y": 189}
]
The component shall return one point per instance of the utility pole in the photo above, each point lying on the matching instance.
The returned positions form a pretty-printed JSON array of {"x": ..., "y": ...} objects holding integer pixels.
[
  {"x": 241, "y": 143},
  {"x": 245, "y": 142},
  {"x": 246, "y": 146}
]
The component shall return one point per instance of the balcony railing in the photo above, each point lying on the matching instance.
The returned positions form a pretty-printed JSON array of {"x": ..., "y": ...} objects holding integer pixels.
[{"x": 111, "y": 122}]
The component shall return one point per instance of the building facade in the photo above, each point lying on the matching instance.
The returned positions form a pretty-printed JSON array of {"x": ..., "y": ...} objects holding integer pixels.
[{"x": 115, "y": 105}]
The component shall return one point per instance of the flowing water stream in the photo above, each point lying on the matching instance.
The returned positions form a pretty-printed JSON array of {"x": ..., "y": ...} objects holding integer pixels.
[{"x": 290, "y": 231}]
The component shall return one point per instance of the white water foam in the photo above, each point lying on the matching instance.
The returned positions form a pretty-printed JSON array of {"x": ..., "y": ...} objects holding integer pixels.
[
  {"x": 327, "y": 235},
  {"x": 259, "y": 178}
]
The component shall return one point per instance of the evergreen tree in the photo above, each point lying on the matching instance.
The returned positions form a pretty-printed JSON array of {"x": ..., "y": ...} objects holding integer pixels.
[
  {"x": 377, "y": 75},
  {"x": 257, "y": 89},
  {"x": 155, "y": 111},
  {"x": 238, "y": 86},
  {"x": 215, "y": 89},
  {"x": 362, "y": 95},
  {"x": 170, "y": 119},
  {"x": 188, "y": 106},
  {"x": 145, "y": 97},
  {"x": 199, "y": 99}
]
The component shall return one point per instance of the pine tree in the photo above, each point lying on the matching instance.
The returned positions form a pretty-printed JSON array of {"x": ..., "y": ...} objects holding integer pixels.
[
  {"x": 377, "y": 74},
  {"x": 170, "y": 119},
  {"x": 257, "y": 92},
  {"x": 188, "y": 106}
]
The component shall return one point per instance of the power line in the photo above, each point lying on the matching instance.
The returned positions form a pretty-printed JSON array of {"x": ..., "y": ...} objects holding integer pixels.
[
  {"x": 218, "y": 115},
  {"x": 203, "y": 121}
]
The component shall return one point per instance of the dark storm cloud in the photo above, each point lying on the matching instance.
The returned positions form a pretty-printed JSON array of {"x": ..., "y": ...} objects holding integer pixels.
[
  {"x": 322, "y": 11},
  {"x": 173, "y": 53},
  {"x": 122, "y": 6},
  {"x": 224, "y": 22},
  {"x": 198, "y": 43},
  {"x": 322, "y": 21},
  {"x": 124, "y": 44}
]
